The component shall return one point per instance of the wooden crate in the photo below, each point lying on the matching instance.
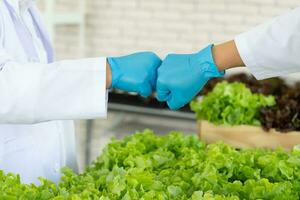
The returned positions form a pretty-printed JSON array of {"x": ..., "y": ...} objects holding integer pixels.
[{"x": 247, "y": 136}]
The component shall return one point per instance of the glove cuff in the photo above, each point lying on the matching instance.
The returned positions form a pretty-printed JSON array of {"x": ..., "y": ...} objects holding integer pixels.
[
  {"x": 208, "y": 65},
  {"x": 115, "y": 71}
]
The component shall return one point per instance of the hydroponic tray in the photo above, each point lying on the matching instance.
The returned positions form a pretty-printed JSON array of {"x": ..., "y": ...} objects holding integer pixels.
[{"x": 244, "y": 136}]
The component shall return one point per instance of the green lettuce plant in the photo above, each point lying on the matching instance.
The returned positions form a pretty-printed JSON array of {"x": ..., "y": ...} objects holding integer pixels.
[{"x": 231, "y": 104}]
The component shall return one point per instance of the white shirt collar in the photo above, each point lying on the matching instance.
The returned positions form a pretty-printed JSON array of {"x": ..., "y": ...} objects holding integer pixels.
[{"x": 20, "y": 5}]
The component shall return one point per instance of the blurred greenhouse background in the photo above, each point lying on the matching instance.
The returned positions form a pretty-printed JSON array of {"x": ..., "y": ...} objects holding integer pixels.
[{"x": 91, "y": 28}]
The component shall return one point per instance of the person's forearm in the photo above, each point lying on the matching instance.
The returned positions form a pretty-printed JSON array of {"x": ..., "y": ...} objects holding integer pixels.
[
  {"x": 226, "y": 56},
  {"x": 108, "y": 76},
  {"x": 38, "y": 97}
]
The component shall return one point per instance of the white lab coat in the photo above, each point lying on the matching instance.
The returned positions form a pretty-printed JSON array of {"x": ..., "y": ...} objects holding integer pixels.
[
  {"x": 39, "y": 100},
  {"x": 272, "y": 49}
]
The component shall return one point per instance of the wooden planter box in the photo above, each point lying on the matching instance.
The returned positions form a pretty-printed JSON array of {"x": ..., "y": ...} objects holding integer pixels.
[{"x": 247, "y": 136}]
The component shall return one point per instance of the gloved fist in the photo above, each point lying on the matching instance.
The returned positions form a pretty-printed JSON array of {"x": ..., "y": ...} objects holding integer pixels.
[
  {"x": 135, "y": 73},
  {"x": 182, "y": 76}
]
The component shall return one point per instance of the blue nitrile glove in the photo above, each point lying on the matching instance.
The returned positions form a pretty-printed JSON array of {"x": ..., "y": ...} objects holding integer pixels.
[
  {"x": 182, "y": 76},
  {"x": 135, "y": 73}
]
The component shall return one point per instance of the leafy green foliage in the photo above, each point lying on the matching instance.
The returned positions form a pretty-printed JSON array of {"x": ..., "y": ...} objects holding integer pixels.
[
  {"x": 231, "y": 104},
  {"x": 11, "y": 188},
  {"x": 145, "y": 166},
  {"x": 285, "y": 116}
]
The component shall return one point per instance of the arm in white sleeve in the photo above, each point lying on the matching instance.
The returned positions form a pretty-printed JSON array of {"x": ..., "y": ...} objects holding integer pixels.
[
  {"x": 272, "y": 49},
  {"x": 31, "y": 93}
]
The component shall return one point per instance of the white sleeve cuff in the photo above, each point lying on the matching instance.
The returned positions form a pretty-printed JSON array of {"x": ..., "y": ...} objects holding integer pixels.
[
  {"x": 249, "y": 59},
  {"x": 99, "y": 95}
]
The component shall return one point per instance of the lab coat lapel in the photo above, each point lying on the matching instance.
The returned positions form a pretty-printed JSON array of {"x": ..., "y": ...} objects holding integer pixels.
[
  {"x": 41, "y": 30},
  {"x": 22, "y": 32}
]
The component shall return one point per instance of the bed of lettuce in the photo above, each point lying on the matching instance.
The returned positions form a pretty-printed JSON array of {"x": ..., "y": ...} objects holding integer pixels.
[{"x": 146, "y": 166}]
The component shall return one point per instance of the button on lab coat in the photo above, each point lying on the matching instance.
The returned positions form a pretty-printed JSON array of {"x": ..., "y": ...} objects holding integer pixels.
[
  {"x": 39, "y": 98},
  {"x": 272, "y": 49}
]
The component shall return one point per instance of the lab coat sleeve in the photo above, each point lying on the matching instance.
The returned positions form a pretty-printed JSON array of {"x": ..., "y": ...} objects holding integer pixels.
[
  {"x": 33, "y": 92},
  {"x": 272, "y": 49}
]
